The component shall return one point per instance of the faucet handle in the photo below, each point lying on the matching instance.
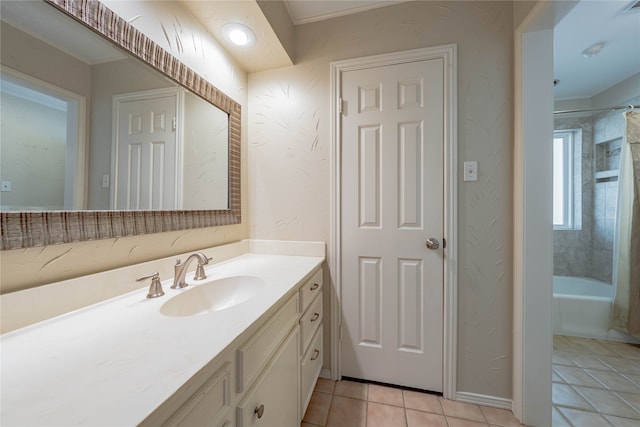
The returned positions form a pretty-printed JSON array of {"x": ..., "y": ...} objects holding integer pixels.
[
  {"x": 200, "y": 274},
  {"x": 155, "y": 289}
]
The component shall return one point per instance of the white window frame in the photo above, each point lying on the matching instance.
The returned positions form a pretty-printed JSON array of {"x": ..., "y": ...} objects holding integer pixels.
[{"x": 567, "y": 222}]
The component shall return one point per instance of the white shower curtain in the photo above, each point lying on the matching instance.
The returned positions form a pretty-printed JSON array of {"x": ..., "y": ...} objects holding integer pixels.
[{"x": 626, "y": 269}]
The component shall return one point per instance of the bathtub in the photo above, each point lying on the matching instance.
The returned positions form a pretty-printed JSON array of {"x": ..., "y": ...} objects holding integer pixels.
[{"x": 582, "y": 307}]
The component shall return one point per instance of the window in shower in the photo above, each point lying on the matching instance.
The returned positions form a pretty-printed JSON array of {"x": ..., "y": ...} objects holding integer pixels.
[{"x": 563, "y": 180}]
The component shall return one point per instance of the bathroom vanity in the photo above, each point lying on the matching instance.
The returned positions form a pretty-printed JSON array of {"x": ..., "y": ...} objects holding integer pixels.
[{"x": 248, "y": 356}]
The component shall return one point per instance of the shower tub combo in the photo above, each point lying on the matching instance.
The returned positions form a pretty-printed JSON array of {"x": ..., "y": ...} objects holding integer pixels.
[{"x": 582, "y": 308}]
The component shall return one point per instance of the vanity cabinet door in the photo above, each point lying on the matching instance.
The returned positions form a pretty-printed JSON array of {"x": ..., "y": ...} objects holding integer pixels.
[
  {"x": 209, "y": 405},
  {"x": 273, "y": 399},
  {"x": 311, "y": 289},
  {"x": 309, "y": 323},
  {"x": 310, "y": 369}
]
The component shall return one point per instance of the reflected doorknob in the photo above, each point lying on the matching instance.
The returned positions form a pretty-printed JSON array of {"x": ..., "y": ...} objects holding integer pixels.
[{"x": 432, "y": 243}]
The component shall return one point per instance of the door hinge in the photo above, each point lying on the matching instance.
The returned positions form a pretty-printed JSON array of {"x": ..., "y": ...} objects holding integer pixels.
[
  {"x": 174, "y": 124},
  {"x": 444, "y": 243},
  {"x": 341, "y": 106}
]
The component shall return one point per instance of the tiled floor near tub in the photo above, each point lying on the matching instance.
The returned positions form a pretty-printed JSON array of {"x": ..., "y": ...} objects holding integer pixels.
[
  {"x": 595, "y": 383},
  {"x": 352, "y": 404}
]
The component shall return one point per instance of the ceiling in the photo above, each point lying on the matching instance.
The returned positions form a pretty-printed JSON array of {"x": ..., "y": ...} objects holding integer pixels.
[
  {"x": 588, "y": 23},
  {"x": 306, "y": 11}
]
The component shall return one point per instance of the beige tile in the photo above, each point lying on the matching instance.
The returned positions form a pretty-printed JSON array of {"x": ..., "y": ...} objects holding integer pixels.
[
  {"x": 499, "y": 417},
  {"x": 387, "y": 395},
  {"x": 577, "y": 376},
  {"x": 622, "y": 365},
  {"x": 628, "y": 351},
  {"x": 324, "y": 385},
  {"x": 592, "y": 346},
  {"x": 462, "y": 410},
  {"x": 424, "y": 419},
  {"x": 562, "y": 358},
  {"x": 564, "y": 395},
  {"x": 303, "y": 424},
  {"x": 633, "y": 378},
  {"x": 422, "y": 401},
  {"x": 351, "y": 389},
  {"x": 459, "y": 422},
  {"x": 318, "y": 408},
  {"x": 613, "y": 381},
  {"x": 606, "y": 402},
  {"x": 621, "y": 422},
  {"x": 631, "y": 399},
  {"x": 563, "y": 344},
  {"x": 584, "y": 360},
  {"x": 379, "y": 415},
  {"x": 347, "y": 412},
  {"x": 555, "y": 377},
  {"x": 583, "y": 418},
  {"x": 557, "y": 420}
]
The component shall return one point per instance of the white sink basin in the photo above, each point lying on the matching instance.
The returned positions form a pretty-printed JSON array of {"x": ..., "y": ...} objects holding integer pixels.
[{"x": 215, "y": 295}]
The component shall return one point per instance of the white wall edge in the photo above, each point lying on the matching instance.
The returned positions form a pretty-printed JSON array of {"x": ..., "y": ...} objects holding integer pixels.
[
  {"x": 484, "y": 400},
  {"x": 450, "y": 315}
]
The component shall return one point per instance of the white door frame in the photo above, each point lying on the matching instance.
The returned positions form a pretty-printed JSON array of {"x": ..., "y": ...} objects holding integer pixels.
[
  {"x": 76, "y": 167},
  {"x": 533, "y": 229},
  {"x": 449, "y": 55}
]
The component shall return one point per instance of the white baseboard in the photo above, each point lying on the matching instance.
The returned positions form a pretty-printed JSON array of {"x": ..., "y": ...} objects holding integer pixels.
[
  {"x": 484, "y": 400},
  {"x": 326, "y": 374}
]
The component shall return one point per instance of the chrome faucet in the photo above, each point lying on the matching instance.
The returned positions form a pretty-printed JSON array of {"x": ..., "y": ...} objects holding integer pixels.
[{"x": 180, "y": 270}]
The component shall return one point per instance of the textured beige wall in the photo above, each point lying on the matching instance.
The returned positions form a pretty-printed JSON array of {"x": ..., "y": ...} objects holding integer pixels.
[
  {"x": 36, "y": 266},
  {"x": 289, "y": 155}
]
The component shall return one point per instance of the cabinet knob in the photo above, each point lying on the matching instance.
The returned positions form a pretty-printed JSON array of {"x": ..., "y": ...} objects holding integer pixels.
[
  {"x": 316, "y": 353},
  {"x": 259, "y": 411},
  {"x": 315, "y": 317},
  {"x": 315, "y": 286}
]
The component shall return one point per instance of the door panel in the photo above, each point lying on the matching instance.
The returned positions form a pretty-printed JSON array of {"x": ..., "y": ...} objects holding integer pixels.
[
  {"x": 392, "y": 201},
  {"x": 146, "y": 172}
]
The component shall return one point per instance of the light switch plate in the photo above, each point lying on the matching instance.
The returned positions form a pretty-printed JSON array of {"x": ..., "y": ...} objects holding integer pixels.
[
  {"x": 471, "y": 171},
  {"x": 6, "y": 186}
]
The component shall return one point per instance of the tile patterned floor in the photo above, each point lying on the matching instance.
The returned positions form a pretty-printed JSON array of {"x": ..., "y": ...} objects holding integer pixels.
[
  {"x": 595, "y": 383},
  {"x": 352, "y": 404}
]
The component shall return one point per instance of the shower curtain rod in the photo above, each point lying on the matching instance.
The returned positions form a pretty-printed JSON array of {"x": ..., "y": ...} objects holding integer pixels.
[{"x": 586, "y": 110}]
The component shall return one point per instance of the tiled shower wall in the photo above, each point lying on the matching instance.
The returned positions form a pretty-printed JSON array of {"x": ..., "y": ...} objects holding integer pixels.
[
  {"x": 608, "y": 129},
  {"x": 588, "y": 252},
  {"x": 572, "y": 248}
]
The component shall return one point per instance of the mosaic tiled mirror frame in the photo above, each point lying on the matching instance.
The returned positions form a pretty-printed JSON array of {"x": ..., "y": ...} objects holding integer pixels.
[{"x": 32, "y": 229}]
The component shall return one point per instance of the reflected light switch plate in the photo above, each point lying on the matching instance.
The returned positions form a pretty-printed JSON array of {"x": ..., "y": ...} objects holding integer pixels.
[
  {"x": 471, "y": 171},
  {"x": 6, "y": 186}
]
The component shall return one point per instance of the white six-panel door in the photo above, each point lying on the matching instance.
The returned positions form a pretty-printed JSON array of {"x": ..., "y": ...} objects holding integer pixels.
[
  {"x": 145, "y": 170},
  {"x": 392, "y": 201}
]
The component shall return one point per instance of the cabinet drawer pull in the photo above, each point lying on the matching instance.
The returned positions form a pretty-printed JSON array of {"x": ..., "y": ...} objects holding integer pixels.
[
  {"x": 316, "y": 353},
  {"x": 259, "y": 411},
  {"x": 315, "y": 317},
  {"x": 315, "y": 286}
]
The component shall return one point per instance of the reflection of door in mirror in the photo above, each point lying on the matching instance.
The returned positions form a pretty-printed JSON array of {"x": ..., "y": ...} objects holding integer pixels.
[
  {"x": 42, "y": 145},
  {"x": 145, "y": 149}
]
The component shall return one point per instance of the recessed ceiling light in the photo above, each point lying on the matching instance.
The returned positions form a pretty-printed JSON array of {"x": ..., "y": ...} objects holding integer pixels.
[
  {"x": 238, "y": 34},
  {"x": 592, "y": 50}
]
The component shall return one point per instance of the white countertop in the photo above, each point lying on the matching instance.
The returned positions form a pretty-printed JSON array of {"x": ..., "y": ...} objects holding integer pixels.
[{"x": 115, "y": 362}]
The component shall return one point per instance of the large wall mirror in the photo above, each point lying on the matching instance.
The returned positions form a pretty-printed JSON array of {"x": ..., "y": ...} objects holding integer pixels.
[{"x": 104, "y": 133}]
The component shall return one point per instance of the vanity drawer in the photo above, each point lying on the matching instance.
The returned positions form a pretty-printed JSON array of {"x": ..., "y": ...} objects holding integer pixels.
[
  {"x": 272, "y": 401},
  {"x": 310, "y": 289},
  {"x": 208, "y": 404},
  {"x": 310, "y": 369},
  {"x": 256, "y": 351},
  {"x": 309, "y": 322}
]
